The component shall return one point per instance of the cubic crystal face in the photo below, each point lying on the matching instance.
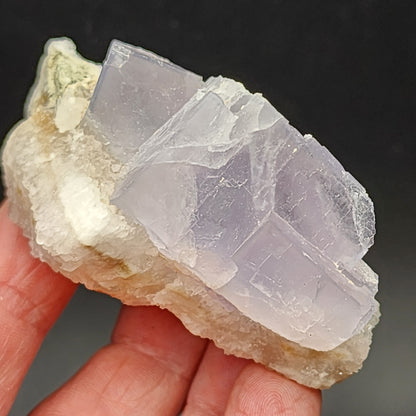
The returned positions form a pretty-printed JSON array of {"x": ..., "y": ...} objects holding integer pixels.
[
  {"x": 225, "y": 186},
  {"x": 142, "y": 181},
  {"x": 135, "y": 95}
]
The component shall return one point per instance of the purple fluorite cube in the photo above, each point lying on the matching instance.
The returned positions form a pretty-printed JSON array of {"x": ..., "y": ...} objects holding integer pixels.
[{"x": 222, "y": 183}]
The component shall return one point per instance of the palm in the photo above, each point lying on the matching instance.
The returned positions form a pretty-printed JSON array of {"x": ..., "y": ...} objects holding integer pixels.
[{"x": 153, "y": 365}]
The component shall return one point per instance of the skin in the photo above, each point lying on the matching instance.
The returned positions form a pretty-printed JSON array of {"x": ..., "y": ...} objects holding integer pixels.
[{"x": 152, "y": 366}]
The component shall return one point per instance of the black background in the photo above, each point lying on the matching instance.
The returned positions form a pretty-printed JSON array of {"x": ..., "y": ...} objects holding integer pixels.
[{"x": 341, "y": 70}]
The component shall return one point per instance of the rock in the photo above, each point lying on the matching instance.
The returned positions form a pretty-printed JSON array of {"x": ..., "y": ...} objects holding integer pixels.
[{"x": 146, "y": 183}]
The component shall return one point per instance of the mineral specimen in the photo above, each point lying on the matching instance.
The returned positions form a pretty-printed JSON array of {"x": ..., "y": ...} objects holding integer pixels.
[{"x": 146, "y": 183}]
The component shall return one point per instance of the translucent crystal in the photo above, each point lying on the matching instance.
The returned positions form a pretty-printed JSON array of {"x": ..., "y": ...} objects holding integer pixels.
[
  {"x": 226, "y": 216},
  {"x": 223, "y": 185},
  {"x": 137, "y": 93}
]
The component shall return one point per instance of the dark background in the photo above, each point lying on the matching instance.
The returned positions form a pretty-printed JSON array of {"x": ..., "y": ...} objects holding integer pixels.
[{"x": 342, "y": 70}]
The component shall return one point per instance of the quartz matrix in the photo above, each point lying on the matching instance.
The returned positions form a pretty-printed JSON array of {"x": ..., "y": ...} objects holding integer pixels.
[
  {"x": 139, "y": 179},
  {"x": 223, "y": 184}
]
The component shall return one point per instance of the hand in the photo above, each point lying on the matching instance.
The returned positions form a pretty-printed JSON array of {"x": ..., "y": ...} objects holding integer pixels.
[{"x": 153, "y": 365}]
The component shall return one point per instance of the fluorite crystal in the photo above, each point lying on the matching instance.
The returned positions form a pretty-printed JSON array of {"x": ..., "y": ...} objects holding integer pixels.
[
  {"x": 201, "y": 198},
  {"x": 225, "y": 186}
]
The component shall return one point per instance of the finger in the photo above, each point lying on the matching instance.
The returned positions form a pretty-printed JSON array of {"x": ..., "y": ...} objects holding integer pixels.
[
  {"x": 31, "y": 298},
  {"x": 261, "y": 392},
  {"x": 213, "y": 383},
  {"x": 146, "y": 370}
]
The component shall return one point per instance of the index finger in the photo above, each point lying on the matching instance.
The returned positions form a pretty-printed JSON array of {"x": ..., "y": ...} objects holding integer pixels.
[{"x": 31, "y": 298}]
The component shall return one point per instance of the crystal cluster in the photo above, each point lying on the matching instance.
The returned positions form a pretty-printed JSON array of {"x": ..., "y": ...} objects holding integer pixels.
[{"x": 159, "y": 188}]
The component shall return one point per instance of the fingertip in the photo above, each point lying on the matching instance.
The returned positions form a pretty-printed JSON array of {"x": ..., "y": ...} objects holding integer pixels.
[
  {"x": 259, "y": 391},
  {"x": 213, "y": 382}
]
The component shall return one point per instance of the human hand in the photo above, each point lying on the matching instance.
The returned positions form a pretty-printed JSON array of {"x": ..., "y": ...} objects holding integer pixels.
[{"x": 153, "y": 365}]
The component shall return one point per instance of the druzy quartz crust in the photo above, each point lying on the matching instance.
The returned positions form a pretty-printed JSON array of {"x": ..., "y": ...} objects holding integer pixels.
[{"x": 141, "y": 180}]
